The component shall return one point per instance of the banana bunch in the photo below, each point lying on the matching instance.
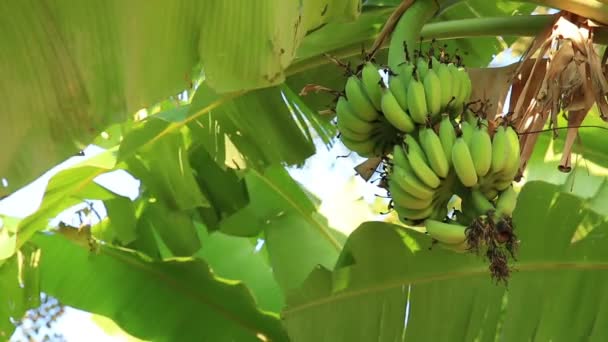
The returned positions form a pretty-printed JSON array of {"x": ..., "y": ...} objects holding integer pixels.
[
  {"x": 423, "y": 90},
  {"x": 482, "y": 162},
  {"x": 363, "y": 128},
  {"x": 420, "y": 181}
]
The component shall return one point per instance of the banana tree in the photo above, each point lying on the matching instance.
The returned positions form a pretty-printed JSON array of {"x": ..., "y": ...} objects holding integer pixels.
[{"x": 209, "y": 105}]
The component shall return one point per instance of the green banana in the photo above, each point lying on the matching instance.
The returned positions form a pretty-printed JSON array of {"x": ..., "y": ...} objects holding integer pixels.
[
  {"x": 413, "y": 214},
  {"x": 466, "y": 85},
  {"x": 448, "y": 233},
  {"x": 512, "y": 160},
  {"x": 463, "y": 163},
  {"x": 363, "y": 148},
  {"x": 505, "y": 204},
  {"x": 422, "y": 65},
  {"x": 409, "y": 182},
  {"x": 481, "y": 204},
  {"x": 502, "y": 184},
  {"x": 445, "y": 79},
  {"x": 416, "y": 101},
  {"x": 447, "y": 135},
  {"x": 398, "y": 89},
  {"x": 440, "y": 210},
  {"x": 467, "y": 132},
  {"x": 394, "y": 114},
  {"x": 416, "y": 158},
  {"x": 347, "y": 118},
  {"x": 461, "y": 79},
  {"x": 405, "y": 199},
  {"x": 371, "y": 79},
  {"x": 490, "y": 193},
  {"x": 399, "y": 158},
  {"x": 360, "y": 103},
  {"x": 411, "y": 142},
  {"x": 481, "y": 150},
  {"x": 352, "y": 135},
  {"x": 405, "y": 72},
  {"x": 500, "y": 150},
  {"x": 431, "y": 144},
  {"x": 456, "y": 85},
  {"x": 432, "y": 92}
]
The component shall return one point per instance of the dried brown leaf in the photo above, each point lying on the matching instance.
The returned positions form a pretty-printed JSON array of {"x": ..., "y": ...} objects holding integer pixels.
[
  {"x": 492, "y": 85},
  {"x": 368, "y": 167}
]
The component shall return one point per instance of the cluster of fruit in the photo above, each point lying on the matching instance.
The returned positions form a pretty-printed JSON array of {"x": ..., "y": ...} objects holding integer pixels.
[
  {"x": 372, "y": 114},
  {"x": 435, "y": 150},
  {"x": 432, "y": 168}
]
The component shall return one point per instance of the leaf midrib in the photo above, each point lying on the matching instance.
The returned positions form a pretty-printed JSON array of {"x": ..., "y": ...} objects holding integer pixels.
[{"x": 465, "y": 273}]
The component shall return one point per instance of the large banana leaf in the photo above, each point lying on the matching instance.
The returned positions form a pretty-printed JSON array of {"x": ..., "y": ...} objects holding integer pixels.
[
  {"x": 388, "y": 285},
  {"x": 69, "y": 69},
  {"x": 174, "y": 300}
]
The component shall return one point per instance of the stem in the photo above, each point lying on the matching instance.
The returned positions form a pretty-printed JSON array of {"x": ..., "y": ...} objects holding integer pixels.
[
  {"x": 408, "y": 30},
  {"x": 519, "y": 26},
  {"x": 592, "y": 9}
]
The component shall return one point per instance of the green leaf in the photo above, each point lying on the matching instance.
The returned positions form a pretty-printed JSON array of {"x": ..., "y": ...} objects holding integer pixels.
[
  {"x": 120, "y": 224},
  {"x": 162, "y": 227},
  {"x": 164, "y": 168},
  {"x": 67, "y": 188},
  {"x": 255, "y": 123},
  {"x": 404, "y": 288},
  {"x": 20, "y": 287},
  {"x": 97, "y": 64},
  {"x": 174, "y": 300},
  {"x": 226, "y": 192},
  {"x": 237, "y": 258}
]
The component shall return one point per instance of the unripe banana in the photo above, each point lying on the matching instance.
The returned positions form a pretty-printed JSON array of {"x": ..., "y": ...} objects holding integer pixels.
[
  {"x": 512, "y": 159},
  {"x": 481, "y": 150},
  {"x": 433, "y": 150},
  {"x": 406, "y": 200},
  {"x": 404, "y": 73},
  {"x": 445, "y": 79},
  {"x": 412, "y": 143},
  {"x": 463, "y": 81},
  {"x": 422, "y": 64},
  {"x": 399, "y": 91},
  {"x": 467, "y": 86},
  {"x": 413, "y": 214},
  {"x": 463, "y": 163},
  {"x": 409, "y": 182},
  {"x": 467, "y": 132},
  {"x": 505, "y": 204},
  {"x": 448, "y": 233},
  {"x": 490, "y": 193},
  {"x": 371, "y": 79},
  {"x": 416, "y": 101},
  {"x": 432, "y": 92},
  {"x": 358, "y": 100},
  {"x": 362, "y": 148},
  {"x": 502, "y": 184},
  {"x": 399, "y": 158},
  {"x": 347, "y": 118},
  {"x": 500, "y": 150},
  {"x": 352, "y": 135},
  {"x": 447, "y": 135},
  {"x": 420, "y": 167},
  {"x": 394, "y": 114},
  {"x": 456, "y": 84},
  {"x": 481, "y": 204},
  {"x": 440, "y": 210},
  {"x": 470, "y": 117}
]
